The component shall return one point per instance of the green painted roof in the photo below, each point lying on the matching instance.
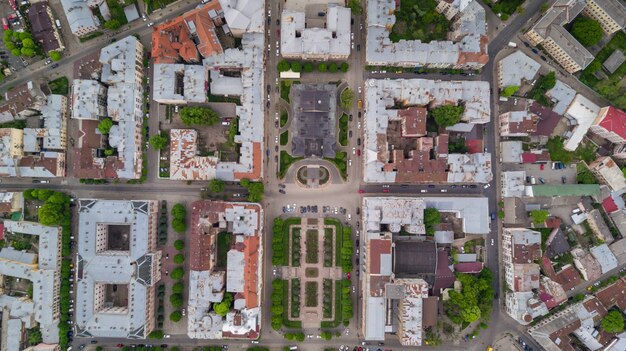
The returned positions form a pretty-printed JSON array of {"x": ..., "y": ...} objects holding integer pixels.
[{"x": 566, "y": 190}]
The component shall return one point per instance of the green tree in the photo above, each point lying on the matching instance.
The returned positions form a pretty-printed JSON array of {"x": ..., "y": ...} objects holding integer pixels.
[
  {"x": 203, "y": 116},
  {"x": 105, "y": 126},
  {"x": 283, "y": 66},
  {"x": 296, "y": 66},
  {"x": 28, "y": 43},
  {"x": 51, "y": 213},
  {"x": 108, "y": 152},
  {"x": 539, "y": 216},
  {"x": 322, "y": 67},
  {"x": 447, "y": 115},
  {"x": 34, "y": 336},
  {"x": 179, "y": 258},
  {"x": 432, "y": 217},
  {"x": 179, "y": 245},
  {"x": 54, "y": 55},
  {"x": 217, "y": 185},
  {"x": 332, "y": 68},
  {"x": 176, "y": 316},
  {"x": 344, "y": 67},
  {"x": 177, "y": 273},
  {"x": 299, "y": 336},
  {"x": 176, "y": 300},
  {"x": 509, "y": 90},
  {"x": 112, "y": 24},
  {"x": 347, "y": 96},
  {"x": 355, "y": 6},
  {"x": 326, "y": 335},
  {"x": 557, "y": 151},
  {"x": 179, "y": 225},
  {"x": 178, "y": 287},
  {"x": 308, "y": 67},
  {"x": 587, "y": 31},
  {"x": 28, "y": 52},
  {"x": 613, "y": 322},
  {"x": 159, "y": 141},
  {"x": 16, "y": 52},
  {"x": 223, "y": 307},
  {"x": 179, "y": 211}
]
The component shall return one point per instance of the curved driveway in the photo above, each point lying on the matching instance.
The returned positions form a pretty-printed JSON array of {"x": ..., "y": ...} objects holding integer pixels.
[{"x": 335, "y": 177}]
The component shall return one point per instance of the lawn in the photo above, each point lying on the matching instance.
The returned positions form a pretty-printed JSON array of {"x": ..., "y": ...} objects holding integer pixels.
[
  {"x": 286, "y": 322},
  {"x": 224, "y": 239},
  {"x": 59, "y": 86},
  {"x": 343, "y": 130},
  {"x": 337, "y": 301},
  {"x": 285, "y": 88},
  {"x": 284, "y": 117},
  {"x": 310, "y": 294},
  {"x": 338, "y": 237},
  {"x": 312, "y": 246},
  {"x": 610, "y": 87},
  {"x": 285, "y": 161},
  {"x": 341, "y": 161},
  {"x": 284, "y": 138},
  {"x": 295, "y": 247},
  {"x": 328, "y": 298},
  {"x": 17, "y": 124},
  {"x": 152, "y": 5},
  {"x": 418, "y": 20}
]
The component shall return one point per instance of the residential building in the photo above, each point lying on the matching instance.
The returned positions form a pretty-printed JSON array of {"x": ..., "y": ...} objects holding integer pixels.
[
  {"x": 513, "y": 183},
  {"x": 396, "y": 149},
  {"x": 185, "y": 163},
  {"x": 609, "y": 173},
  {"x": 521, "y": 248},
  {"x": 511, "y": 151},
  {"x": 122, "y": 101},
  {"x": 43, "y": 270},
  {"x": 516, "y": 69},
  {"x": 318, "y": 37},
  {"x": 42, "y": 27},
  {"x": 587, "y": 264},
  {"x": 118, "y": 268},
  {"x": 599, "y": 227},
  {"x": 11, "y": 202},
  {"x": 605, "y": 257},
  {"x": 556, "y": 40},
  {"x": 411, "y": 312},
  {"x": 561, "y": 95},
  {"x": 190, "y": 37},
  {"x": 37, "y": 152},
  {"x": 581, "y": 113},
  {"x": 612, "y": 63},
  {"x": 610, "y": 124},
  {"x": 518, "y": 123},
  {"x": 377, "y": 273},
  {"x": 466, "y": 47},
  {"x": 249, "y": 63},
  {"x": 179, "y": 84},
  {"x": 241, "y": 276},
  {"x": 244, "y": 16},
  {"x": 611, "y": 14},
  {"x": 23, "y": 101},
  {"x": 81, "y": 19},
  {"x": 557, "y": 332}
]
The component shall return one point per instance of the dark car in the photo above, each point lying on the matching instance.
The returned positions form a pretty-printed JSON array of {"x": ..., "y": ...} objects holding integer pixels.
[
  {"x": 276, "y": 158},
  {"x": 268, "y": 104},
  {"x": 268, "y": 88},
  {"x": 350, "y": 118},
  {"x": 535, "y": 51},
  {"x": 526, "y": 44},
  {"x": 358, "y": 141},
  {"x": 431, "y": 186},
  {"x": 359, "y": 114},
  {"x": 269, "y": 20},
  {"x": 94, "y": 341},
  {"x": 350, "y": 134},
  {"x": 473, "y": 186},
  {"x": 277, "y": 22},
  {"x": 543, "y": 58},
  {"x": 563, "y": 180},
  {"x": 358, "y": 47},
  {"x": 55, "y": 65},
  {"x": 358, "y": 211},
  {"x": 275, "y": 124}
]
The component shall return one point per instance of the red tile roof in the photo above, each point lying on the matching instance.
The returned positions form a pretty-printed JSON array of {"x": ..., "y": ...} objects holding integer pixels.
[
  {"x": 413, "y": 121},
  {"x": 468, "y": 267},
  {"x": 614, "y": 120},
  {"x": 609, "y": 205}
]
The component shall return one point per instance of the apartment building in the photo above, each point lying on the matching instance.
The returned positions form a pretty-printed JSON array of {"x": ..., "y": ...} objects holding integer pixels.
[
  {"x": 610, "y": 125},
  {"x": 118, "y": 266},
  {"x": 80, "y": 17},
  {"x": 43, "y": 270},
  {"x": 608, "y": 172},
  {"x": 611, "y": 14}
]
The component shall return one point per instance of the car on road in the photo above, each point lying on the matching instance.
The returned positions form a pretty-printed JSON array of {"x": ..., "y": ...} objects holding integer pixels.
[
  {"x": 358, "y": 142},
  {"x": 361, "y": 191},
  {"x": 55, "y": 65},
  {"x": 349, "y": 134},
  {"x": 150, "y": 24},
  {"x": 358, "y": 152},
  {"x": 542, "y": 166},
  {"x": 350, "y": 118},
  {"x": 493, "y": 216},
  {"x": 487, "y": 185},
  {"x": 354, "y": 151},
  {"x": 534, "y": 51}
]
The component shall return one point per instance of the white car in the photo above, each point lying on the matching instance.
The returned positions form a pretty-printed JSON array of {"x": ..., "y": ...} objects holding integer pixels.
[
  {"x": 359, "y": 125},
  {"x": 277, "y": 52},
  {"x": 492, "y": 242},
  {"x": 276, "y": 139},
  {"x": 144, "y": 17},
  {"x": 354, "y": 150},
  {"x": 150, "y": 24},
  {"x": 487, "y": 185},
  {"x": 360, "y": 90},
  {"x": 349, "y": 163}
]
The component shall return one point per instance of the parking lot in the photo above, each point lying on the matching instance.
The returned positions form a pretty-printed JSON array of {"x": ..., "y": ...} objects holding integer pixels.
[
  {"x": 549, "y": 175},
  {"x": 15, "y": 63}
]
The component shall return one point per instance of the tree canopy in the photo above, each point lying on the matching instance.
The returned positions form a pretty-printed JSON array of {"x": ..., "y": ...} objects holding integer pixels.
[
  {"x": 177, "y": 273},
  {"x": 179, "y": 245},
  {"x": 557, "y": 151},
  {"x": 223, "y": 307},
  {"x": 255, "y": 190},
  {"x": 587, "y": 31},
  {"x": 613, "y": 322},
  {"x": 539, "y": 216},
  {"x": 105, "y": 126},
  {"x": 432, "y": 217},
  {"x": 203, "y": 116},
  {"x": 112, "y": 24},
  {"x": 509, "y": 90},
  {"x": 283, "y": 66},
  {"x": 176, "y": 300},
  {"x": 447, "y": 115},
  {"x": 322, "y": 67},
  {"x": 179, "y": 258},
  {"x": 54, "y": 55},
  {"x": 176, "y": 316},
  {"x": 347, "y": 96},
  {"x": 475, "y": 299},
  {"x": 217, "y": 185},
  {"x": 159, "y": 141},
  {"x": 355, "y": 6}
]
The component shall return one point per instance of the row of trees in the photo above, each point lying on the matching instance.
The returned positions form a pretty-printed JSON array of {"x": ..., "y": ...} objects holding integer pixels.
[
  {"x": 346, "y": 302},
  {"x": 179, "y": 218},
  {"x": 277, "y": 303},
  {"x": 278, "y": 242},
  {"x": 20, "y": 43},
  {"x": 347, "y": 249},
  {"x": 307, "y": 67},
  {"x": 178, "y": 274}
]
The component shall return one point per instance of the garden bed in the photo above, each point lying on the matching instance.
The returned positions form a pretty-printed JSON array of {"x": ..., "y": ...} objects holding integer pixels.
[
  {"x": 312, "y": 246},
  {"x": 310, "y": 294}
]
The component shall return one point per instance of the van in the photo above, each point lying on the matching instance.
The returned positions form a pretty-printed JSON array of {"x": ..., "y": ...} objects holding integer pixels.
[
  {"x": 293, "y": 348},
  {"x": 58, "y": 23},
  {"x": 533, "y": 180},
  {"x": 512, "y": 44}
]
